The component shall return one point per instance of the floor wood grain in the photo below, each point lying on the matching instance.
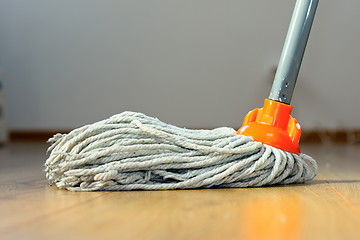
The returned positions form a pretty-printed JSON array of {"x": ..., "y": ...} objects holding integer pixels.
[{"x": 326, "y": 208}]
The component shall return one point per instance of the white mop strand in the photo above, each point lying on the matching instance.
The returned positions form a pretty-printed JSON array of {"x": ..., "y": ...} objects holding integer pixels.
[{"x": 133, "y": 151}]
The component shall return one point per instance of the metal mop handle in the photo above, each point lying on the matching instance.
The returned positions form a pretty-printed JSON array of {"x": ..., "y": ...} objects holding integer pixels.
[{"x": 293, "y": 51}]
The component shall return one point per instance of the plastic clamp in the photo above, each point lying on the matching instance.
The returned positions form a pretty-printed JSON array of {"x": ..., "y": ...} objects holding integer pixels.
[{"x": 273, "y": 125}]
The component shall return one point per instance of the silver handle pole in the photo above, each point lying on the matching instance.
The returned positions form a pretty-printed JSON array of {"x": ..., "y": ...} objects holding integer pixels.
[{"x": 293, "y": 51}]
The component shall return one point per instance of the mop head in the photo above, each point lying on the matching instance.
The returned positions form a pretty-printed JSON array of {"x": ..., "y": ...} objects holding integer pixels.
[{"x": 132, "y": 151}]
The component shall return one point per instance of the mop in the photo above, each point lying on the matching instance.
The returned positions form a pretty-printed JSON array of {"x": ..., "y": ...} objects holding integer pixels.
[{"x": 132, "y": 151}]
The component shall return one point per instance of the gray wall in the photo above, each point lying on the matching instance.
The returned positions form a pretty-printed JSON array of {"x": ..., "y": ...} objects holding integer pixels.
[{"x": 192, "y": 63}]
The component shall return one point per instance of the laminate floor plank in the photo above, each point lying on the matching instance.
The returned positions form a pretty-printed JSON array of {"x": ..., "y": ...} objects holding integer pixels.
[{"x": 326, "y": 208}]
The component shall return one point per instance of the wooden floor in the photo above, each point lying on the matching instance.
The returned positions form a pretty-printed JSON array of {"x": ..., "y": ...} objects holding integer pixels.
[{"x": 326, "y": 208}]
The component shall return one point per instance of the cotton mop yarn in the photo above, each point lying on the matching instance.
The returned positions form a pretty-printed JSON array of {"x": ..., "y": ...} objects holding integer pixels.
[{"x": 132, "y": 151}]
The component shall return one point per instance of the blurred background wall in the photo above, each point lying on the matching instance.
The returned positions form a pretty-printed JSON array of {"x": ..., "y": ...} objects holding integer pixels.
[{"x": 201, "y": 63}]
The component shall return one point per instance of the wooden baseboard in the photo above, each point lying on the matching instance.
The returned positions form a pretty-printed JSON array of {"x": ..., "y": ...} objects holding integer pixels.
[
  {"x": 309, "y": 136},
  {"x": 351, "y": 136},
  {"x": 33, "y": 136}
]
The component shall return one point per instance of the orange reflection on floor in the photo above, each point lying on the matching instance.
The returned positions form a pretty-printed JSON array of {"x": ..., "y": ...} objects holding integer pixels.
[{"x": 273, "y": 217}]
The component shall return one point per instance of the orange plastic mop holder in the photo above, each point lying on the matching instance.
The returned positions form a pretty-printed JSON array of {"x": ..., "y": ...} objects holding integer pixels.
[{"x": 273, "y": 125}]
